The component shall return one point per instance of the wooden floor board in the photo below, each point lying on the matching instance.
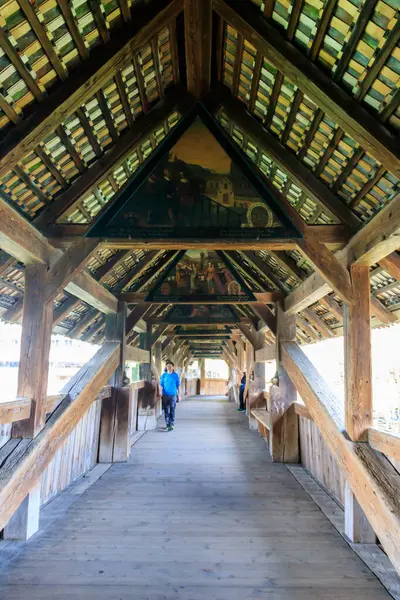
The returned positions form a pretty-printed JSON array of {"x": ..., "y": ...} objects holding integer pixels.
[{"x": 199, "y": 512}]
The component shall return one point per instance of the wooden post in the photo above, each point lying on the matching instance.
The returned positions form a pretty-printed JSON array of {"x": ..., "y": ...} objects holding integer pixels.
[
  {"x": 356, "y": 525},
  {"x": 33, "y": 369},
  {"x": 202, "y": 376},
  {"x": 33, "y": 373},
  {"x": 147, "y": 418},
  {"x": 109, "y": 423},
  {"x": 284, "y": 437},
  {"x": 357, "y": 357}
]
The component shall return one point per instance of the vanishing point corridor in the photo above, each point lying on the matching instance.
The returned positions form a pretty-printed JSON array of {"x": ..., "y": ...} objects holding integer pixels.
[{"x": 200, "y": 513}]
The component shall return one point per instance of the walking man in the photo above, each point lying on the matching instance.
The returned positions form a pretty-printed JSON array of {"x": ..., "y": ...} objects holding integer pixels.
[{"x": 170, "y": 384}]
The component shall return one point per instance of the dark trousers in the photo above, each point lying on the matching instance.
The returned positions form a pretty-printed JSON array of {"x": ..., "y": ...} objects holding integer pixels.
[
  {"x": 169, "y": 405},
  {"x": 241, "y": 394}
]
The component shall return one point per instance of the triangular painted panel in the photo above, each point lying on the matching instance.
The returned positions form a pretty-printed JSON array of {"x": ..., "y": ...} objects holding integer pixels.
[
  {"x": 200, "y": 275},
  {"x": 202, "y": 314},
  {"x": 197, "y": 185}
]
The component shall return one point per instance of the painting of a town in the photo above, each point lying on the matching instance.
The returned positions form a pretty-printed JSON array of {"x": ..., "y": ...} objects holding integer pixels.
[
  {"x": 201, "y": 275},
  {"x": 195, "y": 186}
]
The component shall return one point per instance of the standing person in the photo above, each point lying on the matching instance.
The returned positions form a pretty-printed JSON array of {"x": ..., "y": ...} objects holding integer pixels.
[
  {"x": 170, "y": 385},
  {"x": 242, "y": 407}
]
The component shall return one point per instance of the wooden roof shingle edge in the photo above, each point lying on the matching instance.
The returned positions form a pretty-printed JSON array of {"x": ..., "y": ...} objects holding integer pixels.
[
  {"x": 82, "y": 84},
  {"x": 312, "y": 81}
]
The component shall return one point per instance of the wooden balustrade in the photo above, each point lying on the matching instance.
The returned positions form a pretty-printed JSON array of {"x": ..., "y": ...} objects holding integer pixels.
[{"x": 19, "y": 409}]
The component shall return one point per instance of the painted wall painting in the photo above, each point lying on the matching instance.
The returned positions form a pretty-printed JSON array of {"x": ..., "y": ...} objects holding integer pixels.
[
  {"x": 201, "y": 274},
  {"x": 195, "y": 186},
  {"x": 202, "y": 313}
]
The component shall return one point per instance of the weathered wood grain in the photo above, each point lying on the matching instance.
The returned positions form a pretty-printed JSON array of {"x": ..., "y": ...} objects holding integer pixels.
[
  {"x": 372, "y": 479},
  {"x": 17, "y": 477}
]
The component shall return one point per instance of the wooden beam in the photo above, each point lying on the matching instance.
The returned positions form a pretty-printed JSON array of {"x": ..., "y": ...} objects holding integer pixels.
[
  {"x": 135, "y": 316},
  {"x": 329, "y": 267},
  {"x": 357, "y": 357},
  {"x": 318, "y": 323},
  {"x": 265, "y": 297},
  {"x": 378, "y": 238},
  {"x": 198, "y": 44},
  {"x": 80, "y": 86},
  {"x": 287, "y": 160},
  {"x": 368, "y": 246},
  {"x": 69, "y": 264},
  {"x": 266, "y": 314},
  {"x": 257, "y": 340},
  {"x": 33, "y": 367},
  {"x": 385, "y": 441},
  {"x": 338, "y": 105},
  {"x": 266, "y": 354},
  {"x": 374, "y": 481},
  {"x": 19, "y": 238},
  {"x": 137, "y": 355},
  {"x": 19, "y": 477},
  {"x": 17, "y": 409}
]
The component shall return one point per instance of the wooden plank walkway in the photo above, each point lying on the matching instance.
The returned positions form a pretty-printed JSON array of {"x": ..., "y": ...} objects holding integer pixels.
[{"x": 199, "y": 513}]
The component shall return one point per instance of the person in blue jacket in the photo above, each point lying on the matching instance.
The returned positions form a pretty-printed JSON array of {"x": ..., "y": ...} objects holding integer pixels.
[{"x": 170, "y": 385}]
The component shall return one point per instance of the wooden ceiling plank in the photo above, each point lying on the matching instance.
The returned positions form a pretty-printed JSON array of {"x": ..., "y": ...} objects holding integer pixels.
[
  {"x": 40, "y": 33},
  {"x": 89, "y": 132},
  {"x": 19, "y": 65},
  {"x": 86, "y": 81},
  {"x": 125, "y": 10},
  {"x": 73, "y": 28},
  {"x": 294, "y": 19},
  {"x": 322, "y": 28},
  {"x": 313, "y": 82},
  {"x": 386, "y": 111},
  {"x": 356, "y": 33},
  {"x": 107, "y": 115},
  {"x": 45, "y": 158},
  {"x": 379, "y": 62}
]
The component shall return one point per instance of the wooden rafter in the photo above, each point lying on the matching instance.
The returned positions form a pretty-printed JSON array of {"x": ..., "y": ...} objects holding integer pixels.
[
  {"x": 313, "y": 82},
  {"x": 102, "y": 168},
  {"x": 85, "y": 82},
  {"x": 300, "y": 174}
]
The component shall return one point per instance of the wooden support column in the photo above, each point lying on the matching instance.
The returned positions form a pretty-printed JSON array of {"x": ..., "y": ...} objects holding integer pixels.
[
  {"x": 284, "y": 437},
  {"x": 112, "y": 416},
  {"x": 357, "y": 357},
  {"x": 147, "y": 418},
  {"x": 356, "y": 525},
  {"x": 33, "y": 373},
  {"x": 202, "y": 376}
]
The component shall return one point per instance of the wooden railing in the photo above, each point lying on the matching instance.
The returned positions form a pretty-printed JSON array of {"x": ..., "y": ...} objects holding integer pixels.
[
  {"x": 384, "y": 441},
  {"x": 24, "y": 460}
]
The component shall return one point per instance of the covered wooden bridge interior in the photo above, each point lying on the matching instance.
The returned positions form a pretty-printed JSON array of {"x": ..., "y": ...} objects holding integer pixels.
[{"x": 307, "y": 92}]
